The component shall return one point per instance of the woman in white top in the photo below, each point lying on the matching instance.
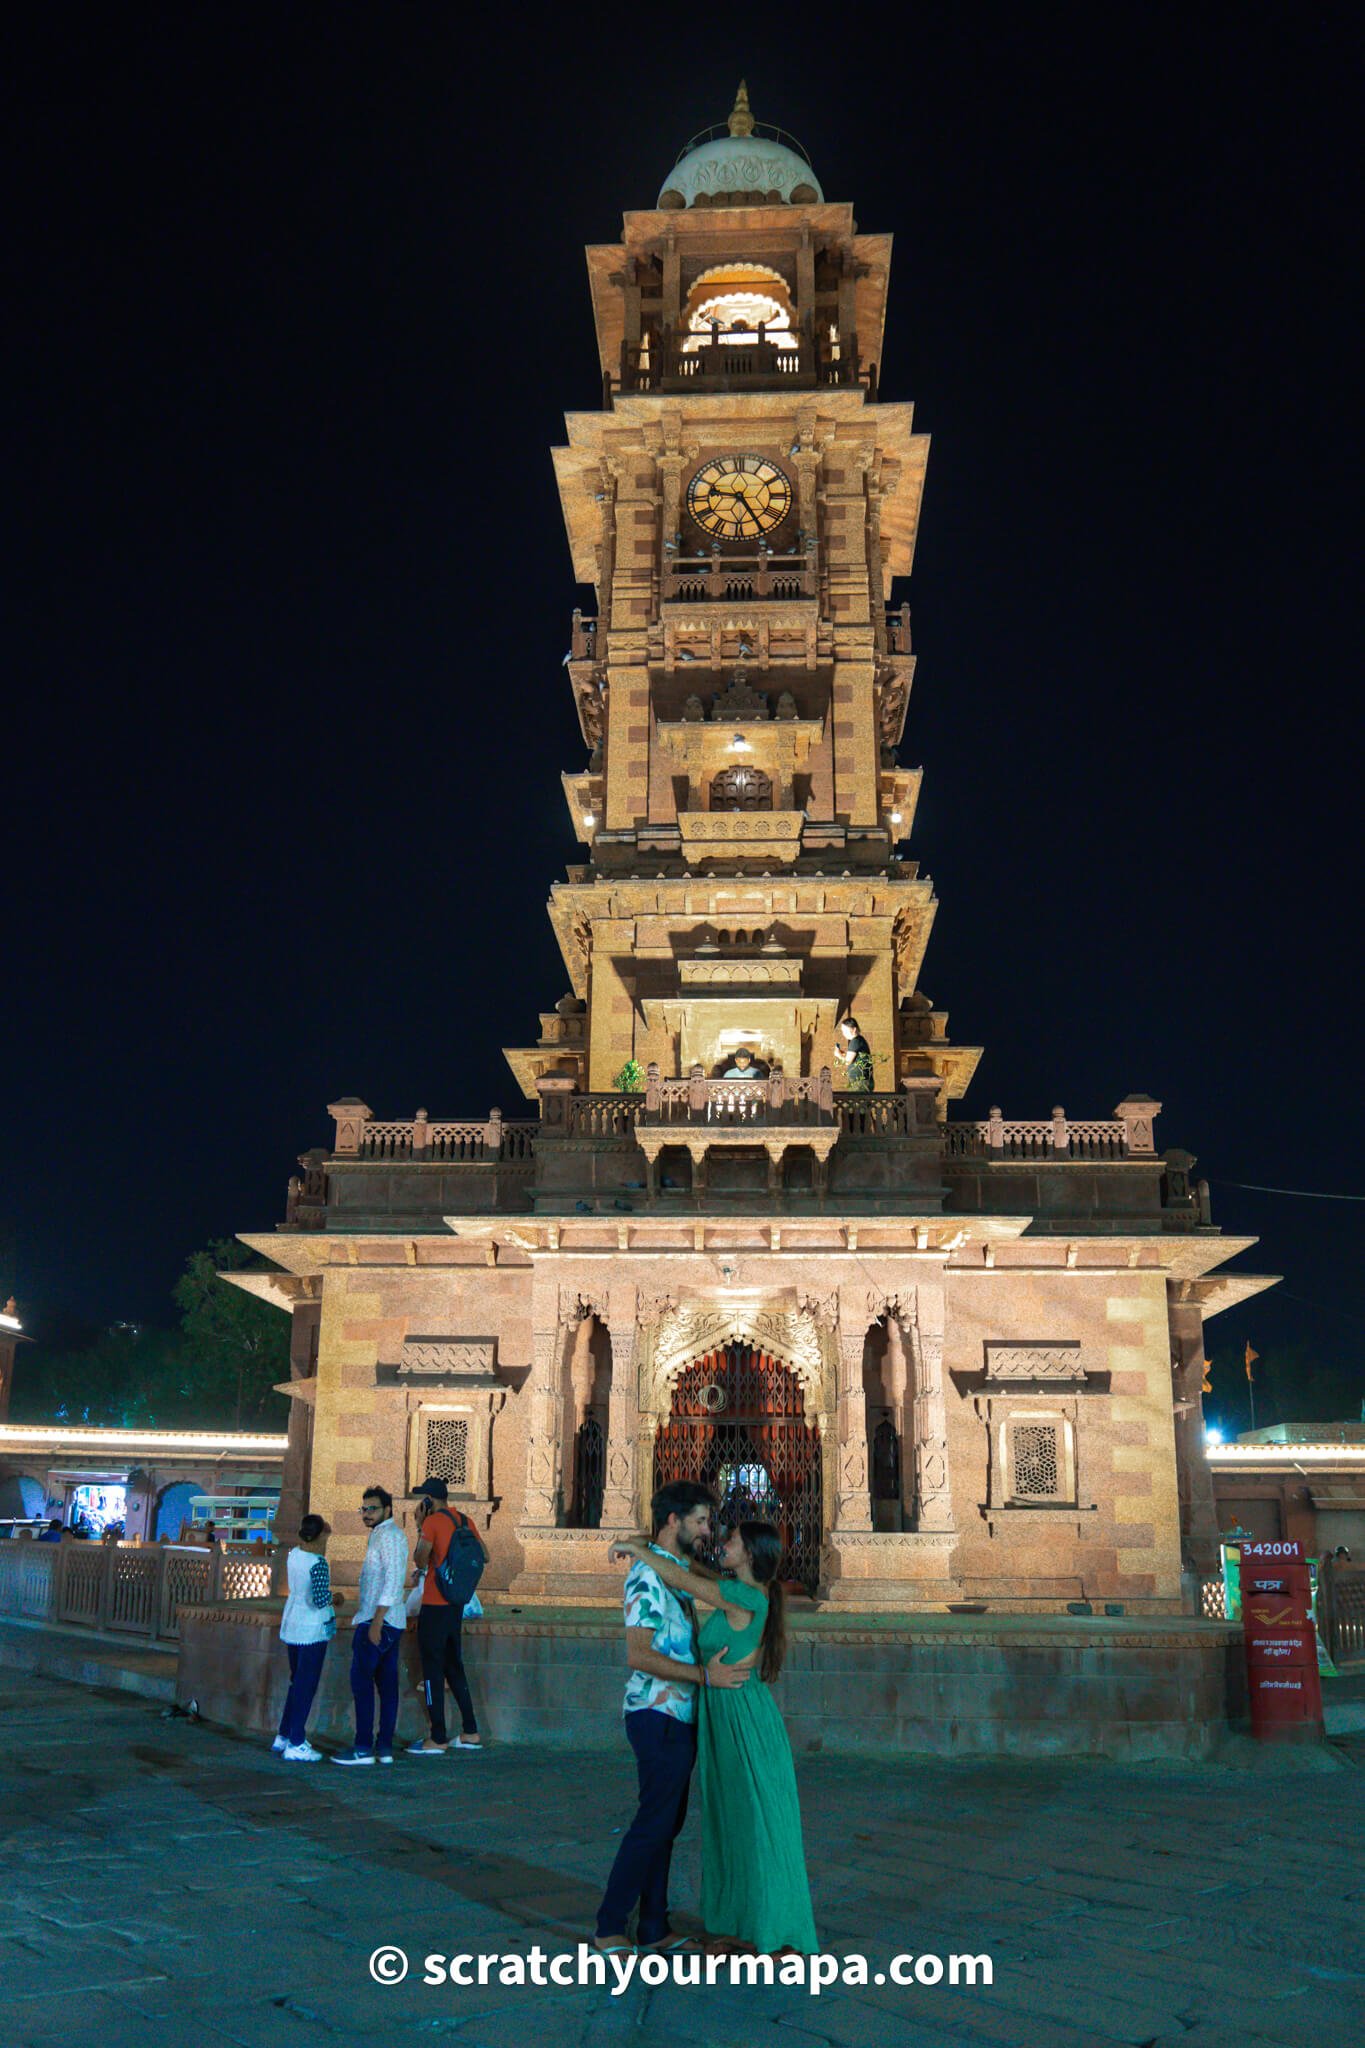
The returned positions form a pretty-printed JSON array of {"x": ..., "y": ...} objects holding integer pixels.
[{"x": 306, "y": 1627}]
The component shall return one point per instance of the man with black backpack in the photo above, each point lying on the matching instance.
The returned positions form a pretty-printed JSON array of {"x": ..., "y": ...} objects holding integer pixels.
[{"x": 449, "y": 1561}]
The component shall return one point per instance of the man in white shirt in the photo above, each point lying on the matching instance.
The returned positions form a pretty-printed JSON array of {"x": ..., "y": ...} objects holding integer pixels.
[{"x": 380, "y": 1619}]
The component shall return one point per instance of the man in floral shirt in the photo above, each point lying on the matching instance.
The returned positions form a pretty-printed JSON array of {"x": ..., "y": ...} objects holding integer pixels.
[{"x": 661, "y": 1719}]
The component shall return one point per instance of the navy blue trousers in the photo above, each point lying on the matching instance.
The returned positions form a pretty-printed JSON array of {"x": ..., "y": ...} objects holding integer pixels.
[
  {"x": 665, "y": 1751},
  {"x": 305, "y": 1669},
  {"x": 374, "y": 1668}
]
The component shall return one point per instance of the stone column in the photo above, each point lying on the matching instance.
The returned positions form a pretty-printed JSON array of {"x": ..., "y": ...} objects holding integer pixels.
[
  {"x": 1198, "y": 1512},
  {"x": 898, "y": 1395},
  {"x": 621, "y": 1492},
  {"x": 853, "y": 1495},
  {"x": 933, "y": 1495},
  {"x": 296, "y": 1472},
  {"x": 580, "y": 1400},
  {"x": 544, "y": 1442}
]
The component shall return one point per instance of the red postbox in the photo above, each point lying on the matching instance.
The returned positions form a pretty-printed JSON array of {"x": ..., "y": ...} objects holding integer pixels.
[{"x": 1281, "y": 1647}]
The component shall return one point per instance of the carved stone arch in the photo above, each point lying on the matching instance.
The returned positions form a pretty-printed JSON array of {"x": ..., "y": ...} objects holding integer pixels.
[{"x": 688, "y": 1331}]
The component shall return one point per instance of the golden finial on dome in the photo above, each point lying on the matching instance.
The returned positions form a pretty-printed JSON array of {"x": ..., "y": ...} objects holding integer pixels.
[{"x": 741, "y": 120}]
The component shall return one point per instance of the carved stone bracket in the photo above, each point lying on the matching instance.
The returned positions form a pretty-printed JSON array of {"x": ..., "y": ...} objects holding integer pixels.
[
  {"x": 823, "y": 1309},
  {"x": 575, "y": 1303},
  {"x": 903, "y": 1306}
]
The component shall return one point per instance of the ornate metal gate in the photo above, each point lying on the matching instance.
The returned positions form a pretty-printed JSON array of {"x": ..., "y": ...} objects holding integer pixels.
[
  {"x": 738, "y": 1424},
  {"x": 589, "y": 1472}
]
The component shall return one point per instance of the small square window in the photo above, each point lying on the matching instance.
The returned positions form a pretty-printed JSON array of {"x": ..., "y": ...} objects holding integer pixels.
[
  {"x": 447, "y": 1449},
  {"x": 1036, "y": 1461}
]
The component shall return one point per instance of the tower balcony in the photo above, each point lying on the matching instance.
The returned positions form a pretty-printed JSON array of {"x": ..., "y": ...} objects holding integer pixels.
[
  {"x": 771, "y": 1114},
  {"x": 776, "y": 1144},
  {"x": 675, "y": 363},
  {"x": 717, "y": 577}
]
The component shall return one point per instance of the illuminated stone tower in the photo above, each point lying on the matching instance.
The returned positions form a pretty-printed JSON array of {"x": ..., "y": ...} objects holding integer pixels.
[
  {"x": 741, "y": 503},
  {"x": 952, "y": 1360}
]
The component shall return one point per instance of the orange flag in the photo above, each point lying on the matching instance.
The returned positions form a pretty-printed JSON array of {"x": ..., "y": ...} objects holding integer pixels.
[
  {"x": 1207, "y": 1387},
  {"x": 1252, "y": 1356}
]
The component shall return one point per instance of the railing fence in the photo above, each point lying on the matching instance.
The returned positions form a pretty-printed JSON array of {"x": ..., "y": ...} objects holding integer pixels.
[{"x": 126, "y": 1588}]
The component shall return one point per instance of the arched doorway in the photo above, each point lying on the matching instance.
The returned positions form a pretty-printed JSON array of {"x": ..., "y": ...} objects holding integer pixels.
[
  {"x": 22, "y": 1498},
  {"x": 173, "y": 1507},
  {"x": 738, "y": 1424}
]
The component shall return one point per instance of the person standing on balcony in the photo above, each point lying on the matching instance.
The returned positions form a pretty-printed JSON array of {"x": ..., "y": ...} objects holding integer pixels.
[
  {"x": 743, "y": 1067},
  {"x": 377, "y": 1640},
  {"x": 306, "y": 1627},
  {"x": 856, "y": 1054}
]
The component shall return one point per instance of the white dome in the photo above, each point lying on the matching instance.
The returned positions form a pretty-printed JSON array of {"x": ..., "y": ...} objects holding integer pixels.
[
  {"x": 743, "y": 164},
  {"x": 740, "y": 163}
]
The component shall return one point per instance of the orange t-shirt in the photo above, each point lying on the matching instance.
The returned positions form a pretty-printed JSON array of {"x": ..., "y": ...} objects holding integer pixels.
[{"x": 437, "y": 1530}]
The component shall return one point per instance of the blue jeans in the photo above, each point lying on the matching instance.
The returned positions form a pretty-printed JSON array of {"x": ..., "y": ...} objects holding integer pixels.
[
  {"x": 374, "y": 1667},
  {"x": 665, "y": 1751},
  {"x": 305, "y": 1669}
]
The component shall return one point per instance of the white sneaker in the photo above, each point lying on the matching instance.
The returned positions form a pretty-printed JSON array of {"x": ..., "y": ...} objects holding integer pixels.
[
  {"x": 280, "y": 1744},
  {"x": 302, "y": 1753}
]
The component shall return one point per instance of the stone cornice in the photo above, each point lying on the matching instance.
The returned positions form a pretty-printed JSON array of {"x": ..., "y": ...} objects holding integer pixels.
[{"x": 861, "y": 1239}]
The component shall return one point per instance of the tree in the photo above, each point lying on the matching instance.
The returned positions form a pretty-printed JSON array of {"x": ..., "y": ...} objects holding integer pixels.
[{"x": 234, "y": 1348}]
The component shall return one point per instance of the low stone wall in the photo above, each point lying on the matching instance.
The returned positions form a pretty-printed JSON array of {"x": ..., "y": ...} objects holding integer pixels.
[{"x": 1025, "y": 1686}]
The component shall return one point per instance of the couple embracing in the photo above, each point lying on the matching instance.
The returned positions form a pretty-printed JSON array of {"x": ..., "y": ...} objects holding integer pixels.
[{"x": 702, "y": 1651}]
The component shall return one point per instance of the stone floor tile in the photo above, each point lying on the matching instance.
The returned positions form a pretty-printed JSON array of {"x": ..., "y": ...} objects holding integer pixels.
[{"x": 259, "y": 1895}]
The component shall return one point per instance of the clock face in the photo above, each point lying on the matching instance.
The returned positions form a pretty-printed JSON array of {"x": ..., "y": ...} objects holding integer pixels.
[{"x": 739, "y": 497}]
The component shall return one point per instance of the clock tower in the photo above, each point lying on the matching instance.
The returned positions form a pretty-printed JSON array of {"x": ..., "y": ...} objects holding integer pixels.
[
  {"x": 741, "y": 503},
  {"x": 737, "y": 1237}
]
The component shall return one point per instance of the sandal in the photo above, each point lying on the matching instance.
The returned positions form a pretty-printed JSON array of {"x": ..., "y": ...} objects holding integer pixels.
[
  {"x": 672, "y": 1945},
  {"x": 613, "y": 1945}
]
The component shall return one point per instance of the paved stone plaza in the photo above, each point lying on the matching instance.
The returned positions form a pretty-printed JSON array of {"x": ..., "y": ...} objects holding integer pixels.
[{"x": 170, "y": 1885}]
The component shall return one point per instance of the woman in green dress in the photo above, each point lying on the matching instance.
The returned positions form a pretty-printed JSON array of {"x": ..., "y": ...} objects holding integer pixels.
[{"x": 754, "y": 1889}]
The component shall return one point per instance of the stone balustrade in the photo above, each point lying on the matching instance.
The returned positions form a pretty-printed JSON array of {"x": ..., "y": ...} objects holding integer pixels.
[
  {"x": 698, "y": 1099},
  {"x": 769, "y": 1099},
  {"x": 360, "y": 1135},
  {"x": 692, "y": 578},
  {"x": 1128, "y": 1134},
  {"x": 857, "y": 1148},
  {"x": 134, "y": 1589},
  {"x": 791, "y": 361}
]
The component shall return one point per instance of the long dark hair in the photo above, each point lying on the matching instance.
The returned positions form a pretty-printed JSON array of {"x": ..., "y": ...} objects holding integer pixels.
[{"x": 763, "y": 1547}]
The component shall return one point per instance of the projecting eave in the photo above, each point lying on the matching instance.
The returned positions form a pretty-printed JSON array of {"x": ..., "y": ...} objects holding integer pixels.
[
  {"x": 280, "y": 1290},
  {"x": 302, "y": 1253},
  {"x": 1201, "y": 1253},
  {"x": 955, "y": 1065},
  {"x": 1230, "y": 1290}
]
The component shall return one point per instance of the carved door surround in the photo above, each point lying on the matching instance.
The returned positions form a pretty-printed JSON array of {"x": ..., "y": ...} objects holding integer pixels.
[
  {"x": 914, "y": 1317},
  {"x": 680, "y": 1326}
]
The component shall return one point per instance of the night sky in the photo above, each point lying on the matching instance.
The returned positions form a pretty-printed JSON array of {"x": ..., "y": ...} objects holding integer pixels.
[{"x": 297, "y": 303}]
